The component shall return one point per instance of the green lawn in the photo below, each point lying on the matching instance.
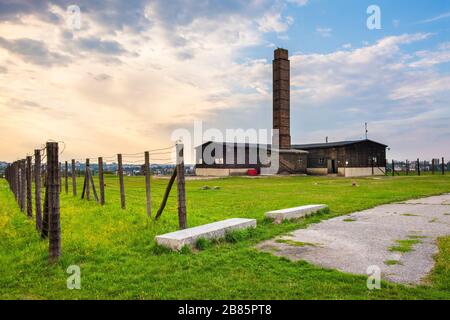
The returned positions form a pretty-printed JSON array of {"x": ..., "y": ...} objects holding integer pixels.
[{"x": 116, "y": 252}]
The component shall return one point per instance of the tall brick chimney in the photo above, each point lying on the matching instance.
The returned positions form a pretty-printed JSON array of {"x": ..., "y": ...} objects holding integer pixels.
[{"x": 281, "y": 97}]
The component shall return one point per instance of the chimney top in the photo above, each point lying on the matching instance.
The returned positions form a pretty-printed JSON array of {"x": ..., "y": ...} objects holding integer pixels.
[{"x": 281, "y": 53}]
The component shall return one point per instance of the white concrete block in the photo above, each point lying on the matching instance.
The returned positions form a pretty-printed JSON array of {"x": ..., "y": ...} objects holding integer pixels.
[
  {"x": 295, "y": 213},
  {"x": 176, "y": 240}
]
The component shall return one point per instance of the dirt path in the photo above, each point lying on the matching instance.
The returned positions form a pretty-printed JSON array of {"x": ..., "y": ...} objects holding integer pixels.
[{"x": 354, "y": 242}]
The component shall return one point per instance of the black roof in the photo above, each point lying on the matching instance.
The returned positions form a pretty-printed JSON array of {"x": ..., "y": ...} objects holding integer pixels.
[
  {"x": 333, "y": 144},
  {"x": 237, "y": 144},
  {"x": 296, "y": 146}
]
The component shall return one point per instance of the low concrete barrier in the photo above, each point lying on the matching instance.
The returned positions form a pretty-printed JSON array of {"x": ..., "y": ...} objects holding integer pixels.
[
  {"x": 295, "y": 213},
  {"x": 176, "y": 240}
]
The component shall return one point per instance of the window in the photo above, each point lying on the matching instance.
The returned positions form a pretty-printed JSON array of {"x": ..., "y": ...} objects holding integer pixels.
[
  {"x": 321, "y": 160},
  {"x": 218, "y": 161}
]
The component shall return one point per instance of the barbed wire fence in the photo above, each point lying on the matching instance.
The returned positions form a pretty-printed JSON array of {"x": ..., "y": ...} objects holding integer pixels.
[
  {"x": 47, "y": 173},
  {"x": 418, "y": 167}
]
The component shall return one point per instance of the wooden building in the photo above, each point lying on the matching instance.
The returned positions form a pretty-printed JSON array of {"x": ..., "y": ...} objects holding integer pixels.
[
  {"x": 227, "y": 159},
  {"x": 344, "y": 158}
]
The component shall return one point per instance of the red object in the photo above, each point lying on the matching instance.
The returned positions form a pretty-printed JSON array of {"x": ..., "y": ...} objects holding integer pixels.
[{"x": 252, "y": 172}]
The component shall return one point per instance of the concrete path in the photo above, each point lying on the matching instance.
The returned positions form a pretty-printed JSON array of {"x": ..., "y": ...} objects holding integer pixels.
[{"x": 354, "y": 242}]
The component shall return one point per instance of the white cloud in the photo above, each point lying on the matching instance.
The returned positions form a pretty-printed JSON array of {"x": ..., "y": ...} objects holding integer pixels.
[
  {"x": 324, "y": 32},
  {"x": 274, "y": 22},
  {"x": 299, "y": 2},
  {"x": 436, "y": 18}
]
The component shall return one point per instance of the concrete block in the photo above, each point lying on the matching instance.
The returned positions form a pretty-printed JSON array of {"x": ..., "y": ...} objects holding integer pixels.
[
  {"x": 216, "y": 230},
  {"x": 295, "y": 213}
]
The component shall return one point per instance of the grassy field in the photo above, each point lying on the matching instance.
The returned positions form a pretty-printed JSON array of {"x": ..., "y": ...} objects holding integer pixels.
[{"x": 116, "y": 251}]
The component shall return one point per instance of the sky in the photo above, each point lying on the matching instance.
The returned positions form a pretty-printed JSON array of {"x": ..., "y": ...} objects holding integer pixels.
[{"x": 127, "y": 74}]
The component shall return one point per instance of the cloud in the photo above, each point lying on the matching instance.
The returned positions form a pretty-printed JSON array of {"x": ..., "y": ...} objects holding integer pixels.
[
  {"x": 324, "y": 32},
  {"x": 394, "y": 90},
  {"x": 16, "y": 10},
  {"x": 274, "y": 22},
  {"x": 33, "y": 51},
  {"x": 21, "y": 104},
  {"x": 436, "y": 18},
  {"x": 299, "y": 2},
  {"x": 107, "y": 47},
  {"x": 159, "y": 65}
]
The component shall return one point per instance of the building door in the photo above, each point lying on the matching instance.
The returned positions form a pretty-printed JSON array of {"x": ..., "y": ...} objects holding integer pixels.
[{"x": 332, "y": 168}]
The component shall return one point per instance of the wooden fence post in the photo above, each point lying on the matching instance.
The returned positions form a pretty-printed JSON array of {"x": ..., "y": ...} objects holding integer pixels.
[
  {"x": 44, "y": 230},
  {"x": 86, "y": 181},
  {"x": 407, "y": 167},
  {"x": 147, "y": 183},
  {"x": 23, "y": 185},
  {"x": 393, "y": 168},
  {"x": 372, "y": 165},
  {"x": 181, "y": 187},
  {"x": 166, "y": 194},
  {"x": 37, "y": 188},
  {"x": 91, "y": 180},
  {"x": 74, "y": 178},
  {"x": 29, "y": 179},
  {"x": 60, "y": 176},
  {"x": 432, "y": 165},
  {"x": 66, "y": 177},
  {"x": 122, "y": 187},
  {"x": 101, "y": 181},
  {"x": 18, "y": 181},
  {"x": 443, "y": 166},
  {"x": 54, "y": 175},
  {"x": 418, "y": 167}
]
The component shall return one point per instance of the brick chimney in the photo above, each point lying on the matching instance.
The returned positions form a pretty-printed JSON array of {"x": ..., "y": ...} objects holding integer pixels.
[{"x": 281, "y": 97}]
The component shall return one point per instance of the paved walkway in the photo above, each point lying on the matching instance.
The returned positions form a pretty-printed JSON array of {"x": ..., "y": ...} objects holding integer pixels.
[{"x": 354, "y": 242}]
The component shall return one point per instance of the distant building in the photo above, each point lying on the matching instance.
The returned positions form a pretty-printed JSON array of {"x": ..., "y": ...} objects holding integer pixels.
[{"x": 344, "y": 158}]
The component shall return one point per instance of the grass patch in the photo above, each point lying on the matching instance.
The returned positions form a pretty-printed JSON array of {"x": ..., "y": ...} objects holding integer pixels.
[
  {"x": 391, "y": 262},
  {"x": 349, "y": 220},
  {"x": 295, "y": 243},
  {"x": 404, "y": 246},
  {"x": 409, "y": 215},
  {"x": 235, "y": 236},
  {"x": 202, "y": 244},
  {"x": 186, "y": 250}
]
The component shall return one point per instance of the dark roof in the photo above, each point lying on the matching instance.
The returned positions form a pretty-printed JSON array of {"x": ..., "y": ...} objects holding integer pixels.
[
  {"x": 237, "y": 144},
  {"x": 294, "y": 146},
  {"x": 332, "y": 144}
]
